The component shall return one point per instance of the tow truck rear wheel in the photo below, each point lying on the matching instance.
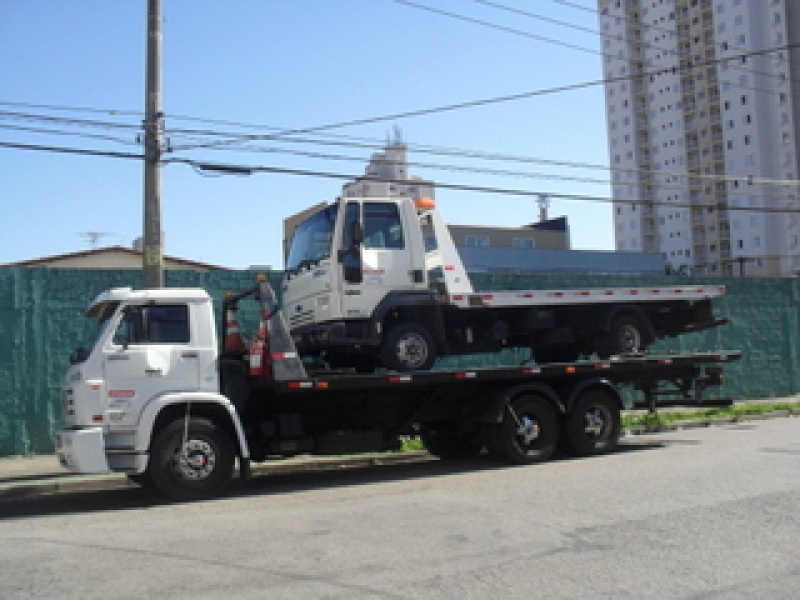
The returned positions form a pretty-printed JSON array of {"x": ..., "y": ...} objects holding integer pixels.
[
  {"x": 199, "y": 466},
  {"x": 408, "y": 347},
  {"x": 593, "y": 426},
  {"x": 528, "y": 432}
]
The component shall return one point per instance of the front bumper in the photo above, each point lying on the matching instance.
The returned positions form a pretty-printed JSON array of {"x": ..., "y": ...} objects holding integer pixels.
[{"x": 82, "y": 450}]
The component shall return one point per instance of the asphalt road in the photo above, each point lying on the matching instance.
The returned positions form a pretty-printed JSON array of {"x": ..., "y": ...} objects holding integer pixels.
[{"x": 708, "y": 513}]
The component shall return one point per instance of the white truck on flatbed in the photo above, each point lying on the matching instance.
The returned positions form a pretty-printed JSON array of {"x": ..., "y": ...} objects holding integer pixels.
[
  {"x": 155, "y": 397},
  {"x": 376, "y": 282}
]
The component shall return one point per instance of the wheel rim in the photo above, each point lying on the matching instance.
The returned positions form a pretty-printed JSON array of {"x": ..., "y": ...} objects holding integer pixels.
[
  {"x": 528, "y": 429},
  {"x": 596, "y": 422},
  {"x": 630, "y": 339},
  {"x": 195, "y": 461},
  {"x": 411, "y": 350}
]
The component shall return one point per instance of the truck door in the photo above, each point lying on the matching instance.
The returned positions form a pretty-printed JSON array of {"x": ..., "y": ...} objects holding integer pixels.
[
  {"x": 150, "y": 353},
  {"x": 380, "y": 261}
]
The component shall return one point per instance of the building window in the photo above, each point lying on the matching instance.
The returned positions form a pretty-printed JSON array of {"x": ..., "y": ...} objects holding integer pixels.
[
  {"x": 525, "y": 243},
  {"x": 477, "y": 241}
]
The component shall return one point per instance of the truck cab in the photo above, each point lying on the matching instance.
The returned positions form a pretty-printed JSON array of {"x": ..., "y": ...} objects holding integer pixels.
[
  {"x": 154, "y": 352},
  {"x": 348, "y": 266}
]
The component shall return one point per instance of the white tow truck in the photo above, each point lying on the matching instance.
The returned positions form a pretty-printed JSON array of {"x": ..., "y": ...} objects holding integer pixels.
[
  {"x": 376, "y": 282},
  {"x": 157, "y": 398}
]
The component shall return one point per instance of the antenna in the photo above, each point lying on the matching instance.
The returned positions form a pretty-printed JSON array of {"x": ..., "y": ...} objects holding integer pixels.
[
  {"x": 94, "y": 236},
  {"x": 544, "y": 203}
]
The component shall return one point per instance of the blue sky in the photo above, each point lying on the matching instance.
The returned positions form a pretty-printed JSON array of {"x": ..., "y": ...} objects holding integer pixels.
[{"x": 251, "y": 67}]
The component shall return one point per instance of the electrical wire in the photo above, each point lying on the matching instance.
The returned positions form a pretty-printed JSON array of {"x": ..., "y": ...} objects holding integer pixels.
[
  {"x": 210, "y": 168},
  {"x": 367, "y": 143},
  {"x": 250, "y": 170},
  {"x": 502, "y": 28},
  {"x": 65, "y": 150}
]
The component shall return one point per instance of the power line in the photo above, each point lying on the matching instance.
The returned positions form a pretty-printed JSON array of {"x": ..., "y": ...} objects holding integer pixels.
[
  {"x": 368, "y": 143},
  {"x": 223, "y": 168},
  {"x": 527, "y": 174},
  {"x": 62, "y": 108},
  {"x": 65, "y": 150},
  {"x": 451, "y": 167},
  {"x": 92, "y": 136},
  {"x": 490, "y": 25},
  {"x": 250, "y": 170}
]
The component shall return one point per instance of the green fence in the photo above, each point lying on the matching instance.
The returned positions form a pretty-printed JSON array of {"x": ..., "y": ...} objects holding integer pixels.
[{"x": 41, "y": 322}]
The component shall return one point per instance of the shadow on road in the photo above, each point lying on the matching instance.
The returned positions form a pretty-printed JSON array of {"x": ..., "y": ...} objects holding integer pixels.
[{"x": 282, "y": 483}]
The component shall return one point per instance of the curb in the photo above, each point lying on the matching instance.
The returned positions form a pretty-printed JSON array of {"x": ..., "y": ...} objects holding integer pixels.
[
  {"x": 703, "y": 423},
  {"x": 75, "y": 483}
]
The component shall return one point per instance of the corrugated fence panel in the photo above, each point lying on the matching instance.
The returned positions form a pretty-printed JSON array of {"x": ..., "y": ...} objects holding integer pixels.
[{"x": 41, "y": 322}]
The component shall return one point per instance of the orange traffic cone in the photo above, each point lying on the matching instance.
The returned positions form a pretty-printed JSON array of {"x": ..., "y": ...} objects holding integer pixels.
[{"x": 233, "y": 339}]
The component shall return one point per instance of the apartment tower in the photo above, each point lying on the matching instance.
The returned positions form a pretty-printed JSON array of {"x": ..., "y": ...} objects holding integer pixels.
[{"x": 703, "y": 115}]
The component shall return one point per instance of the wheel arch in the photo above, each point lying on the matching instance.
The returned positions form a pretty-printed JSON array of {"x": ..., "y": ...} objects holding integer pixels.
[
  {"x": 594, "y": 384},
  {"x": 164, "y": 409},
  {"x": 415, "y": 306},
  {"x": 607, "y": 318}
]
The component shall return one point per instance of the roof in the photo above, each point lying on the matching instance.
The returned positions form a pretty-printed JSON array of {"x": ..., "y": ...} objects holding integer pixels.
[{"x": 106, "y": 251}]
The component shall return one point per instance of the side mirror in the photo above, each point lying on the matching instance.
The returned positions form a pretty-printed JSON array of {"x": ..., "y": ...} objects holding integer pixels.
[{"x": 78, "y": 356}]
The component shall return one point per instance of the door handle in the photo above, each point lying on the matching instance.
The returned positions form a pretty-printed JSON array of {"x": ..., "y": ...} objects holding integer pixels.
[
  {"x": 188, "y": 354},
  {"x": 154, "y": 371}
]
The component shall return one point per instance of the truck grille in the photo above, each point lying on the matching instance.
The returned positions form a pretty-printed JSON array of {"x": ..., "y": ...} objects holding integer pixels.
[{"x": 302, "y": 318}]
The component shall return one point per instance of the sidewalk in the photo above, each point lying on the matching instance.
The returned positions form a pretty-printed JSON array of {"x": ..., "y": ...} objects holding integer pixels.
[{"x": 25, "y": 476}]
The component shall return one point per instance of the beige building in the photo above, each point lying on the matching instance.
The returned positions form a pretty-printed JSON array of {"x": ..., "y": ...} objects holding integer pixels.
[
  {"x": 110, "y": 257},
  {"x": 524, "y": 238}
]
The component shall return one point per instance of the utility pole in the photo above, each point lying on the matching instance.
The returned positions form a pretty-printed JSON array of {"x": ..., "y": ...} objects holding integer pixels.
[{"x": 153, "y": 251}]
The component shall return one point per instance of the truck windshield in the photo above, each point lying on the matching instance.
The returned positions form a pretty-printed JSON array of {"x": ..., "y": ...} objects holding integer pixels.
[
  {"x": 311, "y": 242},
  {"x": 96, "y": 327}
]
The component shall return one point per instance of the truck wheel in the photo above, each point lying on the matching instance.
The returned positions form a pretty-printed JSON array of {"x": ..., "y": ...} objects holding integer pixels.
[
  {"x": 593, "y": 426},
  {"x": 450, "y": 444},
  {"x": 408, "y": 347},
  {"x": 199, "y": 468},
  {"x": 528, "y": 432},
  {"x": 627, "y": 334}
]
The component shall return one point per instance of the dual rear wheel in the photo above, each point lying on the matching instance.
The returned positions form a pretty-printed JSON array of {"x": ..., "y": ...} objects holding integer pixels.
[{"x": 530, "y": 431}]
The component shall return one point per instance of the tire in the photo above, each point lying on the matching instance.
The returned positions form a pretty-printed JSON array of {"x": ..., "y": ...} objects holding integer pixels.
[
  {"x": 627, "y": 334},
  {"x": 593, "y": 426},
  {"x": 408, "y": 347},
  {"x": 528, "y": 433},
  {"x": 140, "y": 479},
  {"x": 203, "y": 472},
  {"x": 450, "y": 444}
]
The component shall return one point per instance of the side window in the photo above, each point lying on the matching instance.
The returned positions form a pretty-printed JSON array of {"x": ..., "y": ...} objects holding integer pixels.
[
  {"x": 168, "y": 324},
  {"x": 382, "y": 228},
  {"x": 154, "y": 324}
]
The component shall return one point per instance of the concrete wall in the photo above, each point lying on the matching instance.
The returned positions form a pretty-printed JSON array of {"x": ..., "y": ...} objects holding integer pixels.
[{"x": 41, "y": 322}]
